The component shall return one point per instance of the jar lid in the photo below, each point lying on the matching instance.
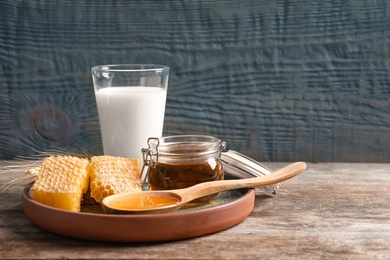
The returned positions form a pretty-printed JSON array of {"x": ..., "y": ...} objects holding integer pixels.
[
  {"x": 241, "y": 166},
  {"x": 186, "y": 145}
]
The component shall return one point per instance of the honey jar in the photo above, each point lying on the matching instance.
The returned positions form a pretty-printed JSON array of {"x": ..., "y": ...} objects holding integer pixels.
[{"x": 176, "y": 162}]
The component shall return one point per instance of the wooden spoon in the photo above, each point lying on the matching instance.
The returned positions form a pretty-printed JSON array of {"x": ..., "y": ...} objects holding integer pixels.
[{"x": 162, "y": 201}]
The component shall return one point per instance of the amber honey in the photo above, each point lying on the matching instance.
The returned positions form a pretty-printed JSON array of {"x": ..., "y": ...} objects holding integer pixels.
[
  {"x": 177, "y": 176},
  {"x": 144, "y": 202}
]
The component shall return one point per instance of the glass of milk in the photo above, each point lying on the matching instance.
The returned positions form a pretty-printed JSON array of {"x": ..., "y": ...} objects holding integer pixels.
[{"x": 131, "y": 105}]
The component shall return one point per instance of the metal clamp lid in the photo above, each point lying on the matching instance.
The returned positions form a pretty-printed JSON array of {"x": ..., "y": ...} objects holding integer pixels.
[{"x": 241, "y": 166}]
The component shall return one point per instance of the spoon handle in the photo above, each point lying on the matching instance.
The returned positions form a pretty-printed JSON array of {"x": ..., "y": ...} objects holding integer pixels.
[{"x": 207, "y": 188}]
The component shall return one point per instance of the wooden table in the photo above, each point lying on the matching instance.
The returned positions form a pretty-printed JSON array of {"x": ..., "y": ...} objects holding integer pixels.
[{"x": 332, "y": 210}]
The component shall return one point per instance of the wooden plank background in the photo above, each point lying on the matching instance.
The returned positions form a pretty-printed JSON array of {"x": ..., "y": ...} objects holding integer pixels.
[{"x": 277, "y": 80}]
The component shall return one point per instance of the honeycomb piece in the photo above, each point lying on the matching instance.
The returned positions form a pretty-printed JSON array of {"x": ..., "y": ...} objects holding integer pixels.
[
  {"x": 112, "y": 175},
  {"x": 61, "y": 181}
]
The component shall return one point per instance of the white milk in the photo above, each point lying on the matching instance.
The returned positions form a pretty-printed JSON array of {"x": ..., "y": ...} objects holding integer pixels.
[{"x": 128, "y": 116}]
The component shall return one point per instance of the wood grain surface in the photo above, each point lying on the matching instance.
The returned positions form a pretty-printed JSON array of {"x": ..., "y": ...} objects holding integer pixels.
[
  {"x": 277, "y": 80},
  {"x": 330, "y": 211}
]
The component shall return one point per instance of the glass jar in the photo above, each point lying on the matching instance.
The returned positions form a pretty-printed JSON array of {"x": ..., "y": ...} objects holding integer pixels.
[{"x": 177, "y": 162}]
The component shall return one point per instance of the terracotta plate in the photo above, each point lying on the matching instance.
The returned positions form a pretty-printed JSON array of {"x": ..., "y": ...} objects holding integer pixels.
[{"x": 228, "y": 210}]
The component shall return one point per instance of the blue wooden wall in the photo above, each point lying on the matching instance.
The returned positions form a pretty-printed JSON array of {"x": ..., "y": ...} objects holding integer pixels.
[{"x": 277, "y": 80}]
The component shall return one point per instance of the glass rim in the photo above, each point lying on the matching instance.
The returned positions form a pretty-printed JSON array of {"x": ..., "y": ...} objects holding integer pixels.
[
  {"x": 190, "y": 145},
  {"x": 129, "y": 67}
]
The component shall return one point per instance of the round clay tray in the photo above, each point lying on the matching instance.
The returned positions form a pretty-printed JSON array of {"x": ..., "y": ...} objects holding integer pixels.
[{"x": 140, "y": 228}]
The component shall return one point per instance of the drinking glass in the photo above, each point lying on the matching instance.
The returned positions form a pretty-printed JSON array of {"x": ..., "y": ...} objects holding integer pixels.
[{"x": 131, "y": 102}]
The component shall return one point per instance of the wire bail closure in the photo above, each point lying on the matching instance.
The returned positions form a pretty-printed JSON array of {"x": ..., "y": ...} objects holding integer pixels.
[{"x": 148, "y": 154}]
